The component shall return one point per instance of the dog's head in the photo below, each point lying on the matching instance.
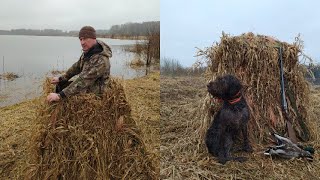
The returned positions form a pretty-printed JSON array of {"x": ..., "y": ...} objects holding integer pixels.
[{"x": 224, "y": 87}]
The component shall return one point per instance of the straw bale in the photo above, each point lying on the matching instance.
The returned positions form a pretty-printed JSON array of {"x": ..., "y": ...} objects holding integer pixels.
[
  {"x": 254, "y": 60},
  {"x": 90, "y": 137},
  {"x": 183, "y": 156}
]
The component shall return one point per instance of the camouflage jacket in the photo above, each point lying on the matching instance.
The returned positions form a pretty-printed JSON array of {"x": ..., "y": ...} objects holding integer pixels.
[{"x": 93, "y": 69}]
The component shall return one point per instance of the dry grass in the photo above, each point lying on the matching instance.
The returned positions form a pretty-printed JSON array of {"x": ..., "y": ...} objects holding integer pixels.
[
  {"x": 184, "y": 157},
  {"x": 9, "y": 76},
  {"x": 17, "y": 122},
  {"x": 137, "y": 62},
  {"x": 144, "y": 98},
  {"x": 254, "y": 60},
  {"x": 87, "y": 137},
  {"x": 127, "y": 155},
  {"x": 57, "y": 72}
]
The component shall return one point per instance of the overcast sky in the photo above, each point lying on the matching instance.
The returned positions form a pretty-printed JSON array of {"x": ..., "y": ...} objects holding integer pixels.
[
  {"x": 73, "y": 14},
  {"x": 186, "y": 24}
]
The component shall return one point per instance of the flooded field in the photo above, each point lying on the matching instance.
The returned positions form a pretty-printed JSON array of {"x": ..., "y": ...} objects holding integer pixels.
[{"x": 34, "y": 57}]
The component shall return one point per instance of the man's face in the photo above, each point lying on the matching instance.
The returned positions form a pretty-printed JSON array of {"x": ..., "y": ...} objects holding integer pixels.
[{"x": 87, "y": 43}]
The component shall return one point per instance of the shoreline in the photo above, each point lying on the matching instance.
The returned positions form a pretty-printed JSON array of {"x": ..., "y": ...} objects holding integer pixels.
[
  {"x": 25, "y": 92},
  {"x": 98, "y": 36}
]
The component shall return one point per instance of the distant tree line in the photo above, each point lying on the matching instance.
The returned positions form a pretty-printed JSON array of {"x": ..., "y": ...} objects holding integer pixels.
[
  {"x": 128, "y": 29},
  {"x": 135, "y": 29},
  {"x": 172, "y": 67},
  {"x": 36, "y": 32}
]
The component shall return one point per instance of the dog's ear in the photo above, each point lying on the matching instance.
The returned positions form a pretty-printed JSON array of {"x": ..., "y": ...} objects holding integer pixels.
[
  {"x": 214, "y": 87},
  {"x": 237, "y": 86},
  {"x": 234, "y": 86}
]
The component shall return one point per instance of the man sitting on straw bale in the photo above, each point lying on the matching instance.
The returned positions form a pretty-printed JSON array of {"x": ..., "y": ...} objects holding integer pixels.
[{"x": 93, "y": 69}]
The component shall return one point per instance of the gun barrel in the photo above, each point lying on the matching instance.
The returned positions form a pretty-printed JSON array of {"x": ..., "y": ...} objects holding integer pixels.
[{"x": 283, "y": 96}]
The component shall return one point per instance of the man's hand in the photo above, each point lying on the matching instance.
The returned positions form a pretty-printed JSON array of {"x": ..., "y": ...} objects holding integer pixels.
[
  {"x": 55, "y": 80},
  {"x": 53, "y": 97}
]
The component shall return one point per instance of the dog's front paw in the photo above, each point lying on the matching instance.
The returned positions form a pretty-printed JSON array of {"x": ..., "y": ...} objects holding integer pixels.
[{"x": 222, "y": 161}]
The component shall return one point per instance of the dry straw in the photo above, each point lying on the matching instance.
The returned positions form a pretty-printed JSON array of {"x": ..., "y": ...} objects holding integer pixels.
[
  {"x": 182, "y": 157},
  {"x": 254, "y": 60},
  {"x": 9, "y": 76},
  {"x": 90, "y": 137}
]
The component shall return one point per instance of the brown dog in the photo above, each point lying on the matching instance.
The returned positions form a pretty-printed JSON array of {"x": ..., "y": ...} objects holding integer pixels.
[{"x": 229, "y": 121}]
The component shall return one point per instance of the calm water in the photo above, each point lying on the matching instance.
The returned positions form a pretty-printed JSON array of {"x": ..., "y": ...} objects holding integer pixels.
[{"x": 33, "y": 57}]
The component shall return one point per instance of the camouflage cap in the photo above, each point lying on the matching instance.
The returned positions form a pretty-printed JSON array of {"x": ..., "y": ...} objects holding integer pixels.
[{"x": 87, "y": 32}]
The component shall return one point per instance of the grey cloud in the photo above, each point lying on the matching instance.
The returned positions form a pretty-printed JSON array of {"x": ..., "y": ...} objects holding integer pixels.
[{"x": 73, "y": 14}]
